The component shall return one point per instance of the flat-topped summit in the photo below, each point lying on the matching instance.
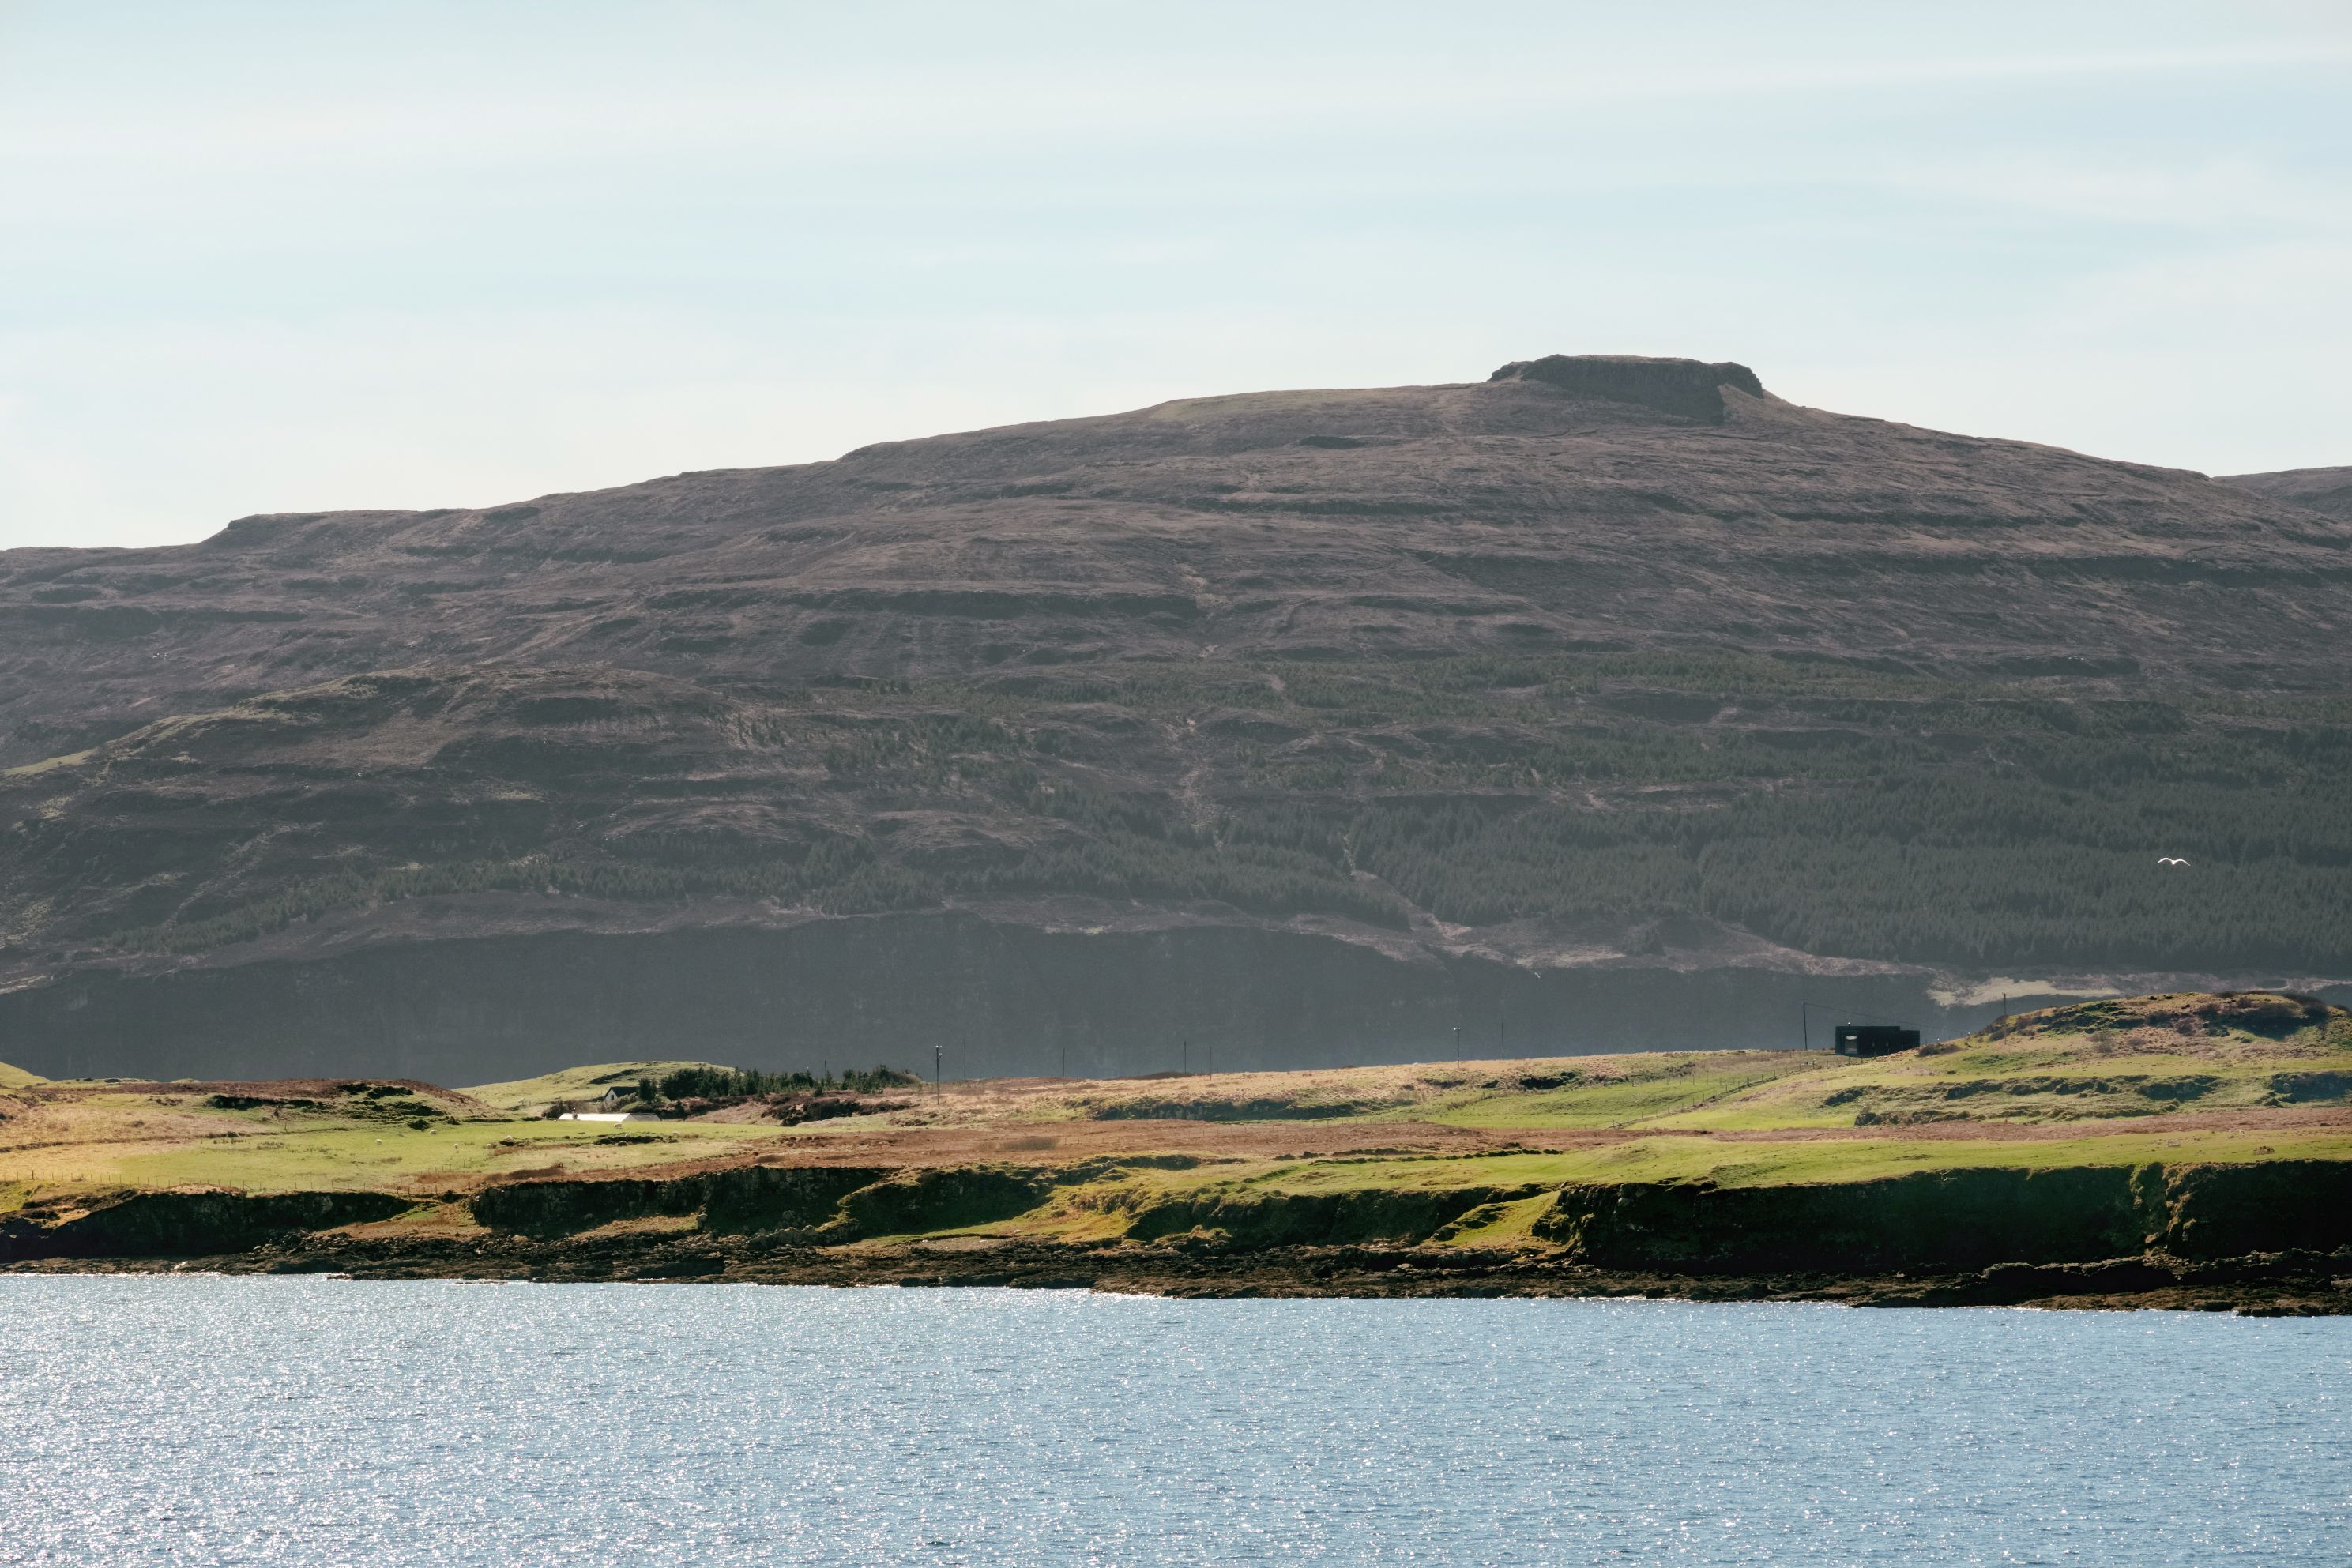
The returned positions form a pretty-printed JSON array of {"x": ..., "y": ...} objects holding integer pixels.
[{"x": 1691, "y": 388}]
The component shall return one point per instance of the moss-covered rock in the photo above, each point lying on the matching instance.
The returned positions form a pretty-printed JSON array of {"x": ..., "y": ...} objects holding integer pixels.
[
  {"x": 1926, "y": 1220},
  {"x": 198, "y": 1224},
  {"x": 2228, "y": 1210},
  {"x": 946, "y": 1198},
  {"x": 1933, "y": 1220},
  {"x": 768, "y": 1197},
  {"x": 1246, "y": 1219},
  {"x": 565, "y": 1207}
]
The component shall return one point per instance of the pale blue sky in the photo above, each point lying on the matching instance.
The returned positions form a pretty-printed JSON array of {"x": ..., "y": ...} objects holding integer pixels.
[{"x": 289, "y": 257}]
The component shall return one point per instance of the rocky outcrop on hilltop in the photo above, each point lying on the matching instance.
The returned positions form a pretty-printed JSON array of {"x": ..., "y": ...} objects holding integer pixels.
[{"x": 1685, "y": 388}]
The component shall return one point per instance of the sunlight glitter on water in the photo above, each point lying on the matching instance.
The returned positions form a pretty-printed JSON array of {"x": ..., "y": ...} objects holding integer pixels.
[{"x": 170, "y": 1420}]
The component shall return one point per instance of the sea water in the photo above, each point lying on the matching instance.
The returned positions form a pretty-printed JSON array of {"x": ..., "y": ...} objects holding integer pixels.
[{"x": 206, "y": 1420}]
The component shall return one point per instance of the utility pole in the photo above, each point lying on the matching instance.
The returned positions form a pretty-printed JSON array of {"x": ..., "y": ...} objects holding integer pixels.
[
  {"x": 1503, "y": 1036},
  {"x": 938, "y": 1075},
  {"x": 1805, "y": 1023},
  {"x": 1458, "y": 1043},
  {"x": 1185, "y": 1056}
]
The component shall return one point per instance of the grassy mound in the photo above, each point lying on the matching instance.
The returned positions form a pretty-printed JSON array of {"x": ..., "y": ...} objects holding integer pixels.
[
  {"x": 2185, "y": 1015},
  {"x": 530, "y": 1096}
]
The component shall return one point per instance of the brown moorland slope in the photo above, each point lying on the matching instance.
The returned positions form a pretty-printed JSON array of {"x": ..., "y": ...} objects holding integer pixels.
[
  {"x": 1298, "y": 726},
  {"x": 2326, "y": 490},
  {"x": 1511, "y": 516}
]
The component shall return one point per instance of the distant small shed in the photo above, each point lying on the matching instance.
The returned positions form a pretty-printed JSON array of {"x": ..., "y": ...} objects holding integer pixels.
[{"x": 1873, "y": 1039}]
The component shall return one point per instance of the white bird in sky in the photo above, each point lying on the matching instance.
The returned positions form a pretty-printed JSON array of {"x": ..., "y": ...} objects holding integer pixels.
[{"x": 2170, "y": 859}]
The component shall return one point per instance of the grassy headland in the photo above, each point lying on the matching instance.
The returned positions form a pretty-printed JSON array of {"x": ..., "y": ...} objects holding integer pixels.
[{"x": 2169, "y": 1134}]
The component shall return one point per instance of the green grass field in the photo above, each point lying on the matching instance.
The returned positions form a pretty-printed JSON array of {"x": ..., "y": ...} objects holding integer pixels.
[
  {"x": 71, "y": 1140},
  {"x": 2109, "y": 1061},
  {"x": 2170, "y": 1079}
]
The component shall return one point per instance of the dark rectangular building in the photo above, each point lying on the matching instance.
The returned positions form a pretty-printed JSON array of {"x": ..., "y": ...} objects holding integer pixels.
[{"x": 1873, "y": 1039}]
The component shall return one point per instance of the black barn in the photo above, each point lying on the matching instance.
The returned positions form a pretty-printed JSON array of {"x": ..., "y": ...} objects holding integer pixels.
[{"x": 1873, "y": 1039}]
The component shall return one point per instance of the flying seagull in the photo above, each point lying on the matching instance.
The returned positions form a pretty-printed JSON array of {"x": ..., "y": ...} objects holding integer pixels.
[{"x": 2170, "y": 859}]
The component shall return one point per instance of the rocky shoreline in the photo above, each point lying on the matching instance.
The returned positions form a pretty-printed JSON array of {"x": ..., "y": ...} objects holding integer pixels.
[{"x": 2291, "y": 1283}]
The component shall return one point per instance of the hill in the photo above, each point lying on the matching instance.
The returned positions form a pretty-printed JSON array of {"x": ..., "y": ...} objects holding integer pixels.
[
  {"x": 2167, "y": 1150},
  {"x": 1275, "y": 729},
  {"x": 2326, "y": 490},
  {"x": 530, "y": 1096}
]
